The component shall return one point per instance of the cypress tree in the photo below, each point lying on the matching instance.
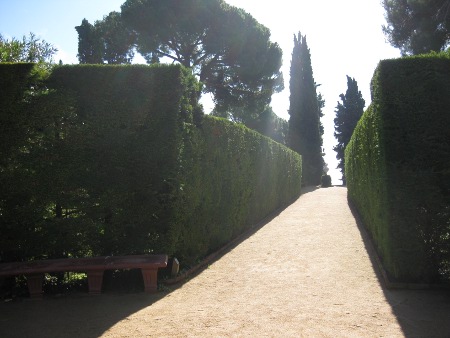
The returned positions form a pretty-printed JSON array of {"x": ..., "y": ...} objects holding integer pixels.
[
  {"x": 348, "y": 114},
  {"x": 304, "y": 110}
]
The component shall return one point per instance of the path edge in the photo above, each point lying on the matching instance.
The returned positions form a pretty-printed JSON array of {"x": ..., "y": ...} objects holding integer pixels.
[
  {"x": 234, "y": 242},
  {"x": 379, "y": 265}
]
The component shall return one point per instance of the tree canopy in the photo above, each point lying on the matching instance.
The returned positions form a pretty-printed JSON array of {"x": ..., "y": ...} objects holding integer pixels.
[
  {"x": 269, "y": 124},
  {"x": 107, "y": 41},
  {"x": 417, "y": 26},
  {"x": 348, "y": 113},
  {"x": 225, "y": 47},
  {"x": 305, "y": 110},
  {"x": 29, "y": 49}
]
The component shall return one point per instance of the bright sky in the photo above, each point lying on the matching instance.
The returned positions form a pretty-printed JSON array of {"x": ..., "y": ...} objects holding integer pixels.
[{"x": 344, "y": 37}]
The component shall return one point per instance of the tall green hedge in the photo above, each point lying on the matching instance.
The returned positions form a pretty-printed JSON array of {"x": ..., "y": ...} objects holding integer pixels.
[
  {"x": 398, "y": 167},
  {"x": 118, "y": 160},
  {"x": 232, "y": 177},
  {"x": 97, "y": 168},
  {"x": 19, "y": 209},
  {"x": 126, "y": 143},
  {"x": 15, "y": 80}
]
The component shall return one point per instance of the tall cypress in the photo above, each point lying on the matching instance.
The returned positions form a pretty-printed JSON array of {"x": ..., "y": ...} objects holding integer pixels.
[
  {"x": 304, "y": 122},
  {"x": 90, "y": 49},
  {"x": 348, "y": 114}
]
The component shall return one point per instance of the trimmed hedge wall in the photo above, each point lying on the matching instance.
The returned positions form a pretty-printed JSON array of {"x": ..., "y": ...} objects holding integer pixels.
[
  {"x": 128, "y": 144},
  {"x": 398, "y": 167},
  {"x": 232, "y": 178},
  {"x": 118, "y": 160},
  {"x": 19, "y": 83},
  {"x": 96, "y": 171}
]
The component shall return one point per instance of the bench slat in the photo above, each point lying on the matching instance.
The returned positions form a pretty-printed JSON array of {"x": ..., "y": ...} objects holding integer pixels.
[{"x": 83, "y": 264}]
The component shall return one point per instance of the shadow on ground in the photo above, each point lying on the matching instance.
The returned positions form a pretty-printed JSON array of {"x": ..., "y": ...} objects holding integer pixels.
[
  {"x": 420, "y": 313},
  {"x": 78, "y": 315},
  {"x": 81, "y": 315}
]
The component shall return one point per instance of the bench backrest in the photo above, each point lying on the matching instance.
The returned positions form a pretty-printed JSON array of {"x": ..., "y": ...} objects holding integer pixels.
[{"x": 84, "y": 264}]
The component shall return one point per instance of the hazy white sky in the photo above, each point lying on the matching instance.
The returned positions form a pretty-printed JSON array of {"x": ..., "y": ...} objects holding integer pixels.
[{"x": 344, "y": 38}]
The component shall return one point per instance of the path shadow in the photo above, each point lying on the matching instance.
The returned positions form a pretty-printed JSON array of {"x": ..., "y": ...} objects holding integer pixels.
[
  {"x": 420, "y": 312},
  {"x": 307, "y": 190},
  {"x": 81, "y": 315},
  {"x": 72, "y": 315}
]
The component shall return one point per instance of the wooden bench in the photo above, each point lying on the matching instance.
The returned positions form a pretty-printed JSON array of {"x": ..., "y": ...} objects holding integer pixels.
[{"x": 92, "y": 266}]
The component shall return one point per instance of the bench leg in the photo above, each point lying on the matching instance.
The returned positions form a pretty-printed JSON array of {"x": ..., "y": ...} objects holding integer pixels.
[
  {"x": 150, "y": 280},
  {"x": 95, "y": 280},
  {"x": 34, "y": 283}
]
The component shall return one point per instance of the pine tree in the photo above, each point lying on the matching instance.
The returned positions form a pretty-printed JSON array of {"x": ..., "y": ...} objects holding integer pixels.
[
  {"x": 417, "y": 26},
  {"x": 348, "y": 114},
  {"x": 90, "y": 48},
  {"x": 304, "y": 110}
]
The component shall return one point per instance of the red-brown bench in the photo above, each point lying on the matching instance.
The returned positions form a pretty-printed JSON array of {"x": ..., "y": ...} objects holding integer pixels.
[{"x": 92, "y": 266}]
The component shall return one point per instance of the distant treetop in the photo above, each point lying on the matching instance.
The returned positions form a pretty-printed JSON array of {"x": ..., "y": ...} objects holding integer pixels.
[
  {"x": 229, "y": 51},
  {"x": 417, "y": 26}
]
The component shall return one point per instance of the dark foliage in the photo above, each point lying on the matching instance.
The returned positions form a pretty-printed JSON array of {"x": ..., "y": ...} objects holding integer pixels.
[
  {"x": 232, "y": 178},
  {"x": 417, "y": 26},
  {"x": 226, "y": 48},
  {"x": 93, "y": 170},
  {"x": 304, "y": 110},
  {"x": 107, "y": 41},
  {"x": 326, "y": 181},
  {"x": 29, "y": 49},
  {"x": 269, "y": 124},
  {"x": 108, "y": 160},
  {"x": 397, "y": 167},
  {"x": 348, "y": 112}
]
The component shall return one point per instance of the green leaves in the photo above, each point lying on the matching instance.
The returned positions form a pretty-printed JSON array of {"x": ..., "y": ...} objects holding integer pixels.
[
  {"x": 233, "y": 177},
  {"x": 417, "y": 26},
  {"x": 223, "y": 45},
  {"x": 30, "y": 50},
  {"x": 90, "y": 49},
  {"x": 396, "y": 167},
  {"x": 348, "y": 112},
  {"x": 109, "y": 161},
  {"x": 304, "y": 110},
  {"x": 91, "y": 166},
  {"x": 107, "y": 41}
]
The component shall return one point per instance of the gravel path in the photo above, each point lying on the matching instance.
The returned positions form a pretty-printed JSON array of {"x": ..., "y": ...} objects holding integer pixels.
[{"x": 306, "y": 273}]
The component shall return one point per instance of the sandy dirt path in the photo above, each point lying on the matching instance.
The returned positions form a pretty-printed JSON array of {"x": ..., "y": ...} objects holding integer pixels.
[{"x": 308, "y": 272}]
